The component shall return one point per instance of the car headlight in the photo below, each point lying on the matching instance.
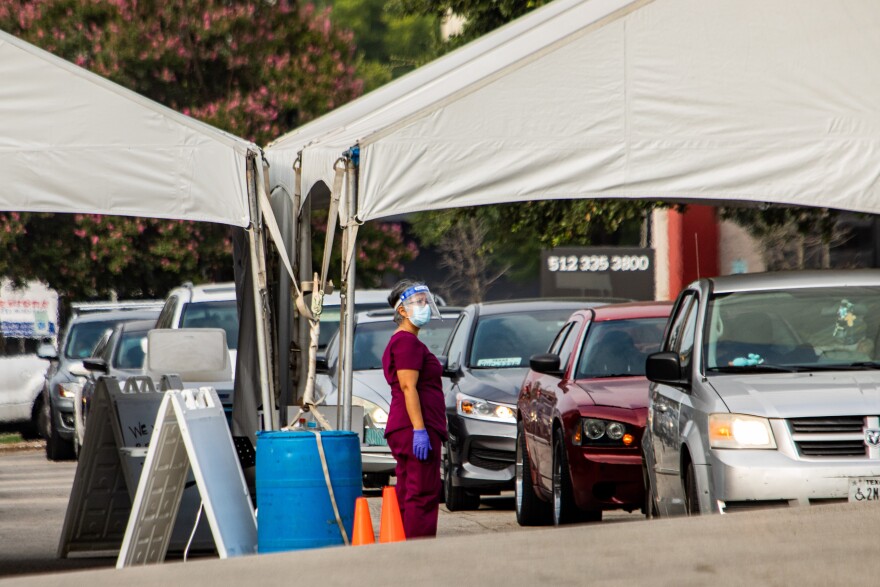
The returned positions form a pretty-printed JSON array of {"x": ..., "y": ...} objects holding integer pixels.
[
  {"x": 69, "y": 388},
  {"x": 374, "y": 415},
  {"x": 480, "y": 409},
  {"x": 740, "y": 431},
  {"x": 599, "y": 432}
]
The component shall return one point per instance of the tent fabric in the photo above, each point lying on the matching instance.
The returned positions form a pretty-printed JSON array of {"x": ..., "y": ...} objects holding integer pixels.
[
  {"x": 745, "y": 100},
  {"x": 283, "y": 151},
  {"x": 72, "y": 141}
]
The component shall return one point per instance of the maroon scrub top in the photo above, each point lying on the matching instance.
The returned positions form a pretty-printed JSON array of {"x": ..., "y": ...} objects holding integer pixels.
[{"x": 406, "y": 351}]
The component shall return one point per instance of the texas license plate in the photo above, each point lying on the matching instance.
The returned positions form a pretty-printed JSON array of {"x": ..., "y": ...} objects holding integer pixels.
[{"x": 864, "y": 489}]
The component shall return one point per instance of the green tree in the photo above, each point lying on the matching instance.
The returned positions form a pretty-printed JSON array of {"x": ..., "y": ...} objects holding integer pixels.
[
  {"x": 255, "y": 68},
  {"x": 479, "y": 244},
  {"x": 389, "y": 43}
]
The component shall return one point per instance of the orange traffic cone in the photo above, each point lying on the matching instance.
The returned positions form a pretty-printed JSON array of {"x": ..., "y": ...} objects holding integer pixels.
[
  {"x": 363, "y": 524},
  {"x": 391, "y": 527}
]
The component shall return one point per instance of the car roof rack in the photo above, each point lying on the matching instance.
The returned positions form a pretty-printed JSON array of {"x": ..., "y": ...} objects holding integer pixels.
[{"x": 78, "y": 308}]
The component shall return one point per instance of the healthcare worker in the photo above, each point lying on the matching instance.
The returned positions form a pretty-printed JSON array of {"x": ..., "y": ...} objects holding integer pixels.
[{"x": 416, "y": 427}]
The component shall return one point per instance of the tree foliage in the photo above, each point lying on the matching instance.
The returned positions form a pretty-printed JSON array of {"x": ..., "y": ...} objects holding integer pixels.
[
  {"x": 256, "y": 68},
  {"x": 389, "y": 43},
  {"x": 513, "y": 235}
]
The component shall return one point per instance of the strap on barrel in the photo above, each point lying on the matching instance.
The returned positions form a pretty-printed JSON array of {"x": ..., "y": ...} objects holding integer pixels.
[{"x": 330, "y": 486}]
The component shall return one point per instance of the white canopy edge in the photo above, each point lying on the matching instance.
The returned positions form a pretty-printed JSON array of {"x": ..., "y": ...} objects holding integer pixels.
[
  {"x": 73, "y": 141},
  {"x": 744, "y": 100},
  {"x": 283, "y": 151}
]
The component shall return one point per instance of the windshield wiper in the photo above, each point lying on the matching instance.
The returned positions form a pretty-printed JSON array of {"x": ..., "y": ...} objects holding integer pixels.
[
  {"x": 866, "y": 364},
  {"x": 762, "y": 368}
]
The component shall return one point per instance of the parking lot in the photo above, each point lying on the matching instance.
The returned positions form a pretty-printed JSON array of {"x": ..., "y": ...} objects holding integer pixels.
[
  {"x": 808, "y": 545},
  {"x": 33, "y": 501}
]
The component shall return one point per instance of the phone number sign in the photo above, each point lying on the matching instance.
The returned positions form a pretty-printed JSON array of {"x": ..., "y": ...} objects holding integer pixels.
[{"x": 626, "y": 272}]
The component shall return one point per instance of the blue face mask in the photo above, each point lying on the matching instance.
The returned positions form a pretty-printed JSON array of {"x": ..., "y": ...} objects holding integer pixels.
[{"x": 419, "y": 315}]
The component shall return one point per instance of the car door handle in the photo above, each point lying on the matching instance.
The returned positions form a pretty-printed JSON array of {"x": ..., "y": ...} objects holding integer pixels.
[{"x": 662, "y": 408}]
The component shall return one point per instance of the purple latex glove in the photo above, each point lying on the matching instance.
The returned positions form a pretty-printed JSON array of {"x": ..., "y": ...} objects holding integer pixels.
[{"x": 421, "y": 444}]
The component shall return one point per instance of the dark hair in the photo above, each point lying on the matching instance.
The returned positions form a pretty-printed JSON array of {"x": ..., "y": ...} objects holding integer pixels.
[{"x": 394, "y": 297}]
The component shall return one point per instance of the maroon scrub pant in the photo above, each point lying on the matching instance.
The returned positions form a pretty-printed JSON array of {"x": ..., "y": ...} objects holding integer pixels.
[{"x": 418, "y": 483}]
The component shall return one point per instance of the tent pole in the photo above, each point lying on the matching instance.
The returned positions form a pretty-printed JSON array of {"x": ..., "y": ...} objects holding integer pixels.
[
  {"x": 347, "y": 300},
  {"x": 259, "y": 284}
]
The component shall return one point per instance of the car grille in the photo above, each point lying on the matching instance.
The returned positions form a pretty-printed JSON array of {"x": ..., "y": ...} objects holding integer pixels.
[
  {"x": 494, "y": 460},
  {"x": 831, "y": 437}
]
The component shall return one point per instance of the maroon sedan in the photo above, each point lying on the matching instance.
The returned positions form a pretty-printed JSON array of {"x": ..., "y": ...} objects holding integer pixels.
[{"x": 581, "y": 414}]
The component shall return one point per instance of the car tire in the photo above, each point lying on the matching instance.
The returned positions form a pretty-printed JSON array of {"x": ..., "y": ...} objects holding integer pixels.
[
  {"x": 57, "y": 449},
  {"x": 457, "y": 498},
  {"x": 376, "y": 480},
  {"x": 564, "y": 510},
  {"x": 691, "y": 493},
  {"x": 650, "y": 507},
  {"x": 31, "y": 430},
  {"x": 531, "y": 510}
]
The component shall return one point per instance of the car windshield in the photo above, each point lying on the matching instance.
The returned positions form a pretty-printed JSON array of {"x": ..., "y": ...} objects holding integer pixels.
[
  {"x": 330, "y": 320},
  {"x": 371, "y": 338},
  {"x": 83, "y": 337},
  {"x": 508, "y": 340},
  {"x": 618, "y": 348},
  {"x": 220, "y": 314},
  {"x": 810, "y": 328},
  {"x": 130, "y": 351}
]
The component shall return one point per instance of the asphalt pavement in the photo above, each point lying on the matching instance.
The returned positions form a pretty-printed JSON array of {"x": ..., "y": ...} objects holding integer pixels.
[{"x": 815, "y": 545}]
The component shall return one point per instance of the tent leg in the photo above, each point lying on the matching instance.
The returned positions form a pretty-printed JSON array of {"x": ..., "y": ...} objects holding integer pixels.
[
  {"x": 347, "y": 299},
  {"x": 257, "y": 253}
]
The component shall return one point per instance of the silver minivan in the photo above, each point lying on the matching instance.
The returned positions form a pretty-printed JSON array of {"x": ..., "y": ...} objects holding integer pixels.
[{"x": 766, "y": 392}]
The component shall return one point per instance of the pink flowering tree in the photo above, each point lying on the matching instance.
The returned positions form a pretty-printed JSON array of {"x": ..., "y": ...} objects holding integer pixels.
[{"x": 255, "y": 68}]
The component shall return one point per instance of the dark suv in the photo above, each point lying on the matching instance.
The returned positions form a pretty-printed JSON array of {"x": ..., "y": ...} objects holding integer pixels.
[
  {"x": 66, "y": 374},
  {"x": 487, "y": 359}
]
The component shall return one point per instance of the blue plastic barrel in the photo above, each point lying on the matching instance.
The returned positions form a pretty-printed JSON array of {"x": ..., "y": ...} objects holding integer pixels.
[{"x": 293, "y": 505}]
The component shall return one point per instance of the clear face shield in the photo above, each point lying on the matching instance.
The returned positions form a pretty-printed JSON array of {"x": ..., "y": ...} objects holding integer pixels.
[{"x": 419, "y": 305}]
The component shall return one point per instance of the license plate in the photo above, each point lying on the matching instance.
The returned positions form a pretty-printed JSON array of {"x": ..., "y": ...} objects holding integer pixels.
[{"x": 864, "y": 490}]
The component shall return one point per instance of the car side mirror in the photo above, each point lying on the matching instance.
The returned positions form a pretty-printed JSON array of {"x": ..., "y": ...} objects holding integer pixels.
[
  {"x": 47, "y": 351},
  {"x": 95, "y": 364},
  {"x": 452, "y": 371},
  {"x": 665, "y": 368},
  {"x": 321, "y": 365},
  {"x": 546, "y": 363}
]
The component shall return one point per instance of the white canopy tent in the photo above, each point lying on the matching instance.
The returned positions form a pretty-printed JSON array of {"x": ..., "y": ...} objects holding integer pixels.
[
  {"x": 747, "y": 100},
  {"x": 72, "y": 141},
  {"x": 734, "y": 100}
]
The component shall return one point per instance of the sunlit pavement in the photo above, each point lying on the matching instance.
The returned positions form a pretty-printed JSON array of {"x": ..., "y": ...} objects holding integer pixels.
[{"x": 816, "y": 545}]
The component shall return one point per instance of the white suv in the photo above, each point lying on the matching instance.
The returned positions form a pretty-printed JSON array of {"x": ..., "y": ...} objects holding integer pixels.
[{"x": 211, "y": 305}]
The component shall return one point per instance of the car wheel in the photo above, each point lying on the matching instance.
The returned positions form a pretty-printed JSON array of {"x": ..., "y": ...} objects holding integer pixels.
[
  {"x": 31, "y": 430},
  {"x": 456, "y": 498},
  {"x": 376, "y": 480},
  {"x": 650, "y": 507},
  {"x": 531, "y": 510},
  {"x": 57, "y": 449},
  {"x": 564, "y": 509},
  {"x": 691, "y": 493}
]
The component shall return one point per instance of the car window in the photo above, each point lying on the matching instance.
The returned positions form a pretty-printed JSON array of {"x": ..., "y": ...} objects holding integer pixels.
[
  {"x": 618, "y": 348},
  {"x": 330, "y": 319},
  {"x": 818, "y": 327},
  {"x": 219, "y": 314},
  {"x": 12, "y": 346},
  {"x": 83, "y": 337},
  {"x": 166, "y": 316},
  {"x": 371, "y": 338},
  {"x": 678, "y": 319},
  {"x": 508, "y": 340},
  {"x": 557, "y": 343},
  {"x": 457, "y": 342},
  {"x": 130, "y": 352},
  {"x": 568, "y": 346},
  {"x": 101, "y": 347},
  {"x": 685, "y": 345}
]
